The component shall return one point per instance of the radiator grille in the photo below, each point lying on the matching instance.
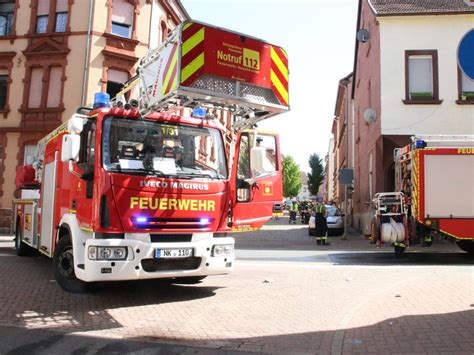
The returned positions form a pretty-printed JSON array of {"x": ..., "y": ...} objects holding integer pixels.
[
  {"x": 154, "y": 265},
  {"x": 170, "y": 238}
]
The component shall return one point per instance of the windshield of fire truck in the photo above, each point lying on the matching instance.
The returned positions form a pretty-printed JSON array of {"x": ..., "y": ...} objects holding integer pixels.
[{"x": 163, "y": 149}]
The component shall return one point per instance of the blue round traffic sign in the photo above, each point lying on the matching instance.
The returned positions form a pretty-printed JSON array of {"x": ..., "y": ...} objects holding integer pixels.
[{"x": 466, "y": 54}]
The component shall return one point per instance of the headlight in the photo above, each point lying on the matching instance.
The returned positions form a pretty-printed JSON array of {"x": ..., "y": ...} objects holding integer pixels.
[
  {"x": 222, "y": 250},
  {"x": 107, "y": 253}
]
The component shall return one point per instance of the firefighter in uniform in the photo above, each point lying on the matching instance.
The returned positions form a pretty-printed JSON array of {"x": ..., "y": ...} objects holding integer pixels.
[
  {"x": 321, "y": 225},
  {"x": 293, "y": 212}
]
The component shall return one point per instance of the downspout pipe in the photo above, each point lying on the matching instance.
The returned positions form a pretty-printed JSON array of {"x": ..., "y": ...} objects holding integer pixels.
[{"x": 85, "y": 79}]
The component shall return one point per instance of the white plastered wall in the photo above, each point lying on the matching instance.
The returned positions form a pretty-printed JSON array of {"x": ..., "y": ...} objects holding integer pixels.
[{"x": 442, "y": 33}]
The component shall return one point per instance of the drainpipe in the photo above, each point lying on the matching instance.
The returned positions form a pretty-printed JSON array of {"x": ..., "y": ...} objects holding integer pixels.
[
  {"x": 151, "y": 21},
  {"x": 85, "y": 79}
]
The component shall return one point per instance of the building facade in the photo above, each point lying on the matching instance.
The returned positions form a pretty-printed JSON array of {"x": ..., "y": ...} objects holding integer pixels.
[
  {"x": 342, "y": 130},
  {"x": 406, "y": 81},
  {"x": 55, "y": 55},
  {"x": 304, "y": 193}
]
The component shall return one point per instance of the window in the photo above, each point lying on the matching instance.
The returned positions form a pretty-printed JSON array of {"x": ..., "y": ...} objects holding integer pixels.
[
  {"x": 122, "y": 15},
  {"x": 7, "y": 10},
  {"x": 61, "y": 22},
  {"x": 42, "y": 24},
  {"x": 148, "y": 147},
  {"x": 3, "y": 89},
  {"x": 421, "y": 77},
  {"x": 466, "y": 88},
  {"x": 264, "y": 160},
  {"x": 42, "y": 16},
  {"x": 243, "y": 170},
  {"x": 36, "y": 88},
  {"x": 29, "y": 154},
  {"x": 61, "y": 16},
  {"x": 115, "y": 81}
]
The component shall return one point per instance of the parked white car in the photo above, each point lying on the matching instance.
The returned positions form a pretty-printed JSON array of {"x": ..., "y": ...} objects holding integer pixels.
[{"x": 335, "y": 221}]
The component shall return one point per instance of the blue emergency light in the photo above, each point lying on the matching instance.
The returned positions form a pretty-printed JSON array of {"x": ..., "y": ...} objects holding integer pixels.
[
  {"x": 199, "y": 112},
  {"x": 141, "y": 219},
  {"x": 101, "y": 99},
  {"x": 420, "y": 144},
  {"x": 204, "y": 221}
]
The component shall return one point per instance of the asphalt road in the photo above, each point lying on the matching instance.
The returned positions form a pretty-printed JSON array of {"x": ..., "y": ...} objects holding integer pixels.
[{"x": 287, "y": 295}]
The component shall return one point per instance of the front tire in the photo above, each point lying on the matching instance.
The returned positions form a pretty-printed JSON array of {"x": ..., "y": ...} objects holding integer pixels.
[
  {"x": 466, "y": 245},
  {"x": 64, "y": 267}
]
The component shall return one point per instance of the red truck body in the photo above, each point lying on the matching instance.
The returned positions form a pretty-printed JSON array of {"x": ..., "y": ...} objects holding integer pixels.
[{"x": 130, "y": 193}]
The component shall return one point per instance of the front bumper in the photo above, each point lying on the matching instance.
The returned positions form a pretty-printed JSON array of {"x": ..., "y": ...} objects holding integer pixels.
[{"x": 142, "y": 264}]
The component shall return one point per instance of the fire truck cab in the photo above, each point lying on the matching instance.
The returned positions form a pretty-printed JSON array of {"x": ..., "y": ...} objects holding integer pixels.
[{"x": 138, "y": 189}]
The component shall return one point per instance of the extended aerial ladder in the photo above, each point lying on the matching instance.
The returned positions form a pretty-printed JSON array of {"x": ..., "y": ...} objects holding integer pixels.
[{"x": 206, "y": 68}]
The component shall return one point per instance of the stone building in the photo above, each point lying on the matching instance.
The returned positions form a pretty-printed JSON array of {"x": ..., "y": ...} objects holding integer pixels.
[{"x": 55, "y": 54}]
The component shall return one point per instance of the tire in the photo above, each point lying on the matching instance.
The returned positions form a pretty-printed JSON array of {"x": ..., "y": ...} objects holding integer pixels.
[
  {"x": 399, "y": 250},
  {"x": 21, "y": 248},
  {"x": 190, "y": 280},
  {"x": 466, "y": 245},
  {"x": 413, "y": 230},
  {"x": 375, "y": 230},
  {"x": 64, "y": 267}
]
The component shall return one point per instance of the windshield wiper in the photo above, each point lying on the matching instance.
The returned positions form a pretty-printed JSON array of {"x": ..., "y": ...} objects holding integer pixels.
[
  {"x": 190, "y": 175},
  {"x": 141, "y": 171}
]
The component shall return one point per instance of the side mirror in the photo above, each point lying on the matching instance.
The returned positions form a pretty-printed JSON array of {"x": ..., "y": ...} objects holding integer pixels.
[
  {"x": 70, "y": 147},
  {"x": 76, "y": 123}
]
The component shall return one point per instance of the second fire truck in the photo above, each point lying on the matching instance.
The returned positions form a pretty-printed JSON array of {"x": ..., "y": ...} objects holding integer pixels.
[{"x": 434, "y": 178}]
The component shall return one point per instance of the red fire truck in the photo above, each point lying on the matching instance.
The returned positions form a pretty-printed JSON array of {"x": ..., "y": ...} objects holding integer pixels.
[
  {"x": 435, "y": 176},
  {"x": 139, "y": 189}
]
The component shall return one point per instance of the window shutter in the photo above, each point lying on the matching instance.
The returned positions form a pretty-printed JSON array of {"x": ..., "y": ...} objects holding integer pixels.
[
  {"x": 420, "y": 74},
  {"x": 54, "y": 89},
  {"x": 36, "y": 87},
  {"x": 61, "y": 5},
  {"x": 122, "y": 12},
  {"x": 117, "y": 76},
  {"x": 7, "y": 7},
  {"x": 43, "y": 7}
]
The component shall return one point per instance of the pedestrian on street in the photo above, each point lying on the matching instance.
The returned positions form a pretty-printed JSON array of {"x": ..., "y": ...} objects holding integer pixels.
[
  {"x": 293, "y": 211},
  {"x": 321, "y": 224}
]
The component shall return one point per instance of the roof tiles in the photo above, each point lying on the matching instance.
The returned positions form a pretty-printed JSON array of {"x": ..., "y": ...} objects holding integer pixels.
[{"x": 419, "y": 7}]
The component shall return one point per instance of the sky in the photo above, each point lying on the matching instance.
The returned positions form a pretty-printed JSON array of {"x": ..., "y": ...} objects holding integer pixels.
[{"x": 319, "y": 37}]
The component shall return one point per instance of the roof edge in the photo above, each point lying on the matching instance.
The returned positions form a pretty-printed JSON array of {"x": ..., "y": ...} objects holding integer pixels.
[{"x": 435, "y": 13}]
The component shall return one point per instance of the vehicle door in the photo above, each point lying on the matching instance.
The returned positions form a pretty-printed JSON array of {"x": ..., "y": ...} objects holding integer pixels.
[
  {"x": 84, "y": 196},
  {"x": 256, "y": 179}
]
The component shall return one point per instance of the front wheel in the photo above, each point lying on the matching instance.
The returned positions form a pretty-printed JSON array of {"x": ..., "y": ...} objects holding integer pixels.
[
  {"x": 64, "y": 267},
  {"x": 466, "y": 245}
]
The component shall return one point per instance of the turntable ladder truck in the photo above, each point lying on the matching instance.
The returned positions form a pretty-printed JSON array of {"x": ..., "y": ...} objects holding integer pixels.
[{"x": 137, "y": 189}]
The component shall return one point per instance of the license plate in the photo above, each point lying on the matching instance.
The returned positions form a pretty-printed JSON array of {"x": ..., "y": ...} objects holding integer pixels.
[{"x": 173, "y": 253}]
